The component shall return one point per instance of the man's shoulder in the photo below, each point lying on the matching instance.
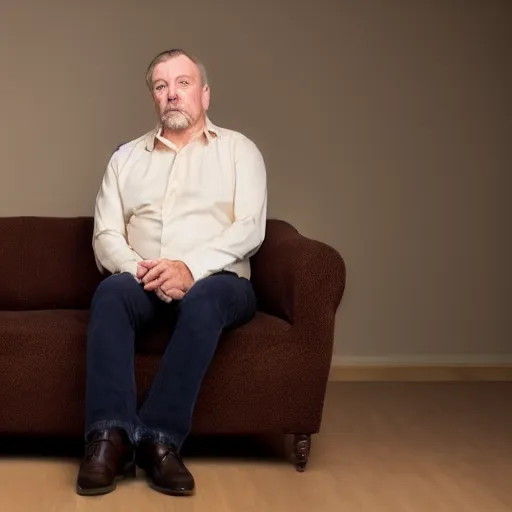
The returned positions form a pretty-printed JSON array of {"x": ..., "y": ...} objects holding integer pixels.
[
  {"x": 125, "y": 149},
  {"x": 235, "y": 138},
  {"x": 130, "y": 151},
  {"x": 227, "y": 133}
]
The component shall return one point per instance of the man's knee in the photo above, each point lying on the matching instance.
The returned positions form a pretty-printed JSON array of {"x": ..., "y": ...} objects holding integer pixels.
[
  {"x": 117, "y": 285},
  {"x": 223, "y": 297},
  {"x": 213, "y": 289}
]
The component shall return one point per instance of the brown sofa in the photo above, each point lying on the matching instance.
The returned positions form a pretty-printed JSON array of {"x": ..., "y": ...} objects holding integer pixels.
[{"x": 269, "y": 376}]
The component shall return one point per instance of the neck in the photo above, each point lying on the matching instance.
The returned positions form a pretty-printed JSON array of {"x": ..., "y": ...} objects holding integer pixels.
[{"x": 182, "y": 138}]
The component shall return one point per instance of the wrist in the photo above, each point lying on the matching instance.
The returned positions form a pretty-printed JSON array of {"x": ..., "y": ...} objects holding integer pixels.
[{"x": 187, "y": 270}]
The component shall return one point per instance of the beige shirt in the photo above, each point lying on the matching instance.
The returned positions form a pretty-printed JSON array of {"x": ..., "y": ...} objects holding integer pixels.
[{"x": 204, "y": 204}]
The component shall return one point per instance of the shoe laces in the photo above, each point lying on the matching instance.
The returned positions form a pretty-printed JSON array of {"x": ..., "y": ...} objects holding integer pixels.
[
  {"x": 93, "y": 448},
  {"x": 166, "y": 454}
]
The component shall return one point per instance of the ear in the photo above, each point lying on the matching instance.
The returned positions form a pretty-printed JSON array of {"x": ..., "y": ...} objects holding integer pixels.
[{"x": 205, "y": 99}]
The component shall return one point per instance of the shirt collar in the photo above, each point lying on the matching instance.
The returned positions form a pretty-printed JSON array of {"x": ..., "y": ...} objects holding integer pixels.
[{"x": 210, "y": 132}]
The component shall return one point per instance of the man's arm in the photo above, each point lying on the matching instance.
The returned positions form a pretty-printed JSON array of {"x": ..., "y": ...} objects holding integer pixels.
[
  {"x": 109, "y": 241},
  {"x": 245, "y": 235}
]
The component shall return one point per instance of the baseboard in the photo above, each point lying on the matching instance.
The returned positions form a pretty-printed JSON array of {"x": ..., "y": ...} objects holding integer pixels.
[{"x": 423, "y": 369}]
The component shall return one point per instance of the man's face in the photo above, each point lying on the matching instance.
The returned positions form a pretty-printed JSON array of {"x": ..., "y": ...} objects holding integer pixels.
[{"x": 180, "y": 98}]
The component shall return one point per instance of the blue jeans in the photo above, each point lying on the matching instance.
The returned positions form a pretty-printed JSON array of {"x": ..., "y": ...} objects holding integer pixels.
[{"x": 120, "y": 309}]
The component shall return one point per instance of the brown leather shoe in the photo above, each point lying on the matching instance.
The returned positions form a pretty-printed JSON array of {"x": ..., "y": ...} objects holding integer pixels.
[
  {"x": 108, "y": 457},
  {"x": 165, "y": 469}
]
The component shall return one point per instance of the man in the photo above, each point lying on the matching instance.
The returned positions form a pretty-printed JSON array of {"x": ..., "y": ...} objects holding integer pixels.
[{"x": 178, "y": 215}]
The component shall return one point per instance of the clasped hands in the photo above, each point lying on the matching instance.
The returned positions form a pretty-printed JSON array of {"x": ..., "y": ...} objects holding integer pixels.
[{"x": 172, "y": 277}]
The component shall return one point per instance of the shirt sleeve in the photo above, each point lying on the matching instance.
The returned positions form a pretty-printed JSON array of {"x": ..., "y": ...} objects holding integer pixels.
[
  {"x": 110, "y": 245},
  {"x": 245, "y": 235}
]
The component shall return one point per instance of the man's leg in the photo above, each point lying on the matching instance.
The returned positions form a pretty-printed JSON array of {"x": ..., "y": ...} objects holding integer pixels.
[
  {"x": 119, "y": 308},
  {"x": 213, "y": 304}
]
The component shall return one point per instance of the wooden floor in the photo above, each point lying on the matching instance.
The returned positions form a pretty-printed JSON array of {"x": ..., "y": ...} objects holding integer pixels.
[{"x": 384, "y": 447}]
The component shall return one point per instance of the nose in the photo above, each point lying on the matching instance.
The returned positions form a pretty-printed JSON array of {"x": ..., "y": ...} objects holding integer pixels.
[{"x": 172, "y": 94}]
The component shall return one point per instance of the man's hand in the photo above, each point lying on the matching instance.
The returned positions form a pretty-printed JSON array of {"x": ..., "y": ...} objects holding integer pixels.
[
  {"x": 171, "y": 276},
  {"x": 141, "y": 270}
]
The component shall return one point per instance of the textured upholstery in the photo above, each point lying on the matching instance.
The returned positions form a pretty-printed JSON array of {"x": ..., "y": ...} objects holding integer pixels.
[
  {"x": 268, "y": 376},
  {"x": 46, "y": 263}
]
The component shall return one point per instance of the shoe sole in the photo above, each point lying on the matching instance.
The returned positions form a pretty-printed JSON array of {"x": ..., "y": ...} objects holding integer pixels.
[
  {"x": 97, "y": 491},
  {"x": 129, "y": 471},
  {"x": 169, "y": 492}
]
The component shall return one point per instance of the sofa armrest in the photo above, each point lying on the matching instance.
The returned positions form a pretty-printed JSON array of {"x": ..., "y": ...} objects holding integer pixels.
[{"x": 296, "y": 278}]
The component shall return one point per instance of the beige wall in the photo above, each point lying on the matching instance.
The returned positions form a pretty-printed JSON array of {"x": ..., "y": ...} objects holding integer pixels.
[{"x": 385, "y": 127}]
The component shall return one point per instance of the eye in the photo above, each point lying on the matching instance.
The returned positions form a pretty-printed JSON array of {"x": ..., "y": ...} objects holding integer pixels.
[
  {"x": 159, "y": 87},
  {"x": 185, "y": 82}
]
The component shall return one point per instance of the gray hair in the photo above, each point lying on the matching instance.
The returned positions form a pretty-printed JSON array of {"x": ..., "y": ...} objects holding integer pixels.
[{"x": 170, "y": 54}]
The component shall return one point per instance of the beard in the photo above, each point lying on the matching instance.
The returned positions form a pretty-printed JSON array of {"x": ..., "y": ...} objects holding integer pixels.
[{"x": 175, "y": 121}]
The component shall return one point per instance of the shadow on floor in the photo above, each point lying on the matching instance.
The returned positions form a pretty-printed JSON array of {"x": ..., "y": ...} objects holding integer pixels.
[{"x": 264, "y": 448}]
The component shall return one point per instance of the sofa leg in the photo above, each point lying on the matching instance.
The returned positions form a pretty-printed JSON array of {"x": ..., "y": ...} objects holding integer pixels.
[{"x": 301, "y": 448}]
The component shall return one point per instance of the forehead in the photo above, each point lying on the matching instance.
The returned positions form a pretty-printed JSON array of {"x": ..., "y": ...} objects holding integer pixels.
[{"x": 175, "y": 66}]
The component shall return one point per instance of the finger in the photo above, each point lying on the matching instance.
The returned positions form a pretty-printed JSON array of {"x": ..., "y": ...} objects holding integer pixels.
[
  {"x": 149, "y": 263},
  {"x": 153, "y": 285},
  {"x": 154, "y": 273},
  {"x": 173, "y": 281},
  {"x": 158, "y": 282},
  {"x": 169, "y": 285},
  {"x": 141, "y": 271},
  {"x": 176, "y": 294}
]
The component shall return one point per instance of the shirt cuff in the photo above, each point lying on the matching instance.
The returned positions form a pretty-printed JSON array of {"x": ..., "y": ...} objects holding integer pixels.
[{"x": 131, "y": 268}]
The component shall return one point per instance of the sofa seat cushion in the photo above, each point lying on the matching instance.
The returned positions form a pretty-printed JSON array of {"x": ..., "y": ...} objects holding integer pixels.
[
  {"x": 48, "y": 338},
  {"x": 42, "y": 368},
  {"x": 247, "y": 388},
  {"x": 262, "y": 326},
  {"x": 250, "y": 385}
]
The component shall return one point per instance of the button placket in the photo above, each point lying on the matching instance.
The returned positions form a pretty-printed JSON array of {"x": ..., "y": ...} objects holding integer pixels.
[
  {"x": 171, "y": 181},
  {"x": 167, "y": 203}
]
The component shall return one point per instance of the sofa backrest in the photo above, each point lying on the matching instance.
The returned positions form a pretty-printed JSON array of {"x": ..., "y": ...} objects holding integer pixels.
[{"x": 47, "y": 263}]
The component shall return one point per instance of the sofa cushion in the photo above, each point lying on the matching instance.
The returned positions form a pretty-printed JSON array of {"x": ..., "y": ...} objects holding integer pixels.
[
  {"x": 46, "y": 263},
  {"x": 251, "y": 384},
  {"x": 42, "y": 376},
  {"x": 262, "y": 326}
]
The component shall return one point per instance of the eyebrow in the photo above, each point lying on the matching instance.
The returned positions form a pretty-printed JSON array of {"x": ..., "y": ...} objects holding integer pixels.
[{"x": 180, "y": 77}]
